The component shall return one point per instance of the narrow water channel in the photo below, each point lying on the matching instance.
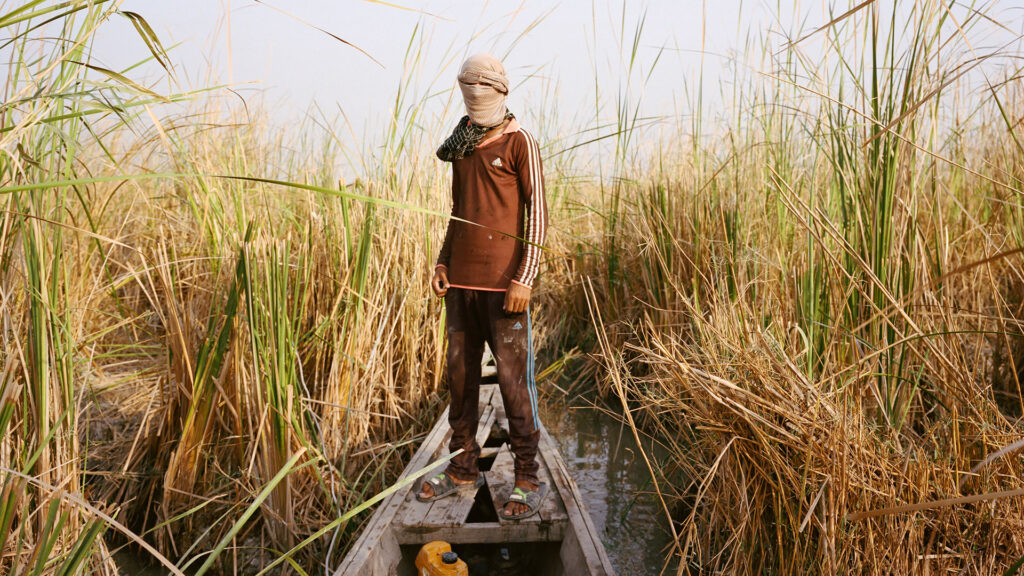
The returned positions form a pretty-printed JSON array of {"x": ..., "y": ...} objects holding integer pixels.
[{"x": 603, "y": 458}]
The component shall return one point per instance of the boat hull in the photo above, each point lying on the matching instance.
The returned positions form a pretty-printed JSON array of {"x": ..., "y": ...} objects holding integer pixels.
[{"x": 559, "y": 540}]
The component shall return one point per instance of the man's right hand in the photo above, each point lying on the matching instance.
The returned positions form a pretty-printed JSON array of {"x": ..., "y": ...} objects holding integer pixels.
[{"x": 440, "y": 282}]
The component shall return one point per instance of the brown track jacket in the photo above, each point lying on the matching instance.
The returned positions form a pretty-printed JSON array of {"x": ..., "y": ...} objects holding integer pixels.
[{"x": 500, "y": 187}]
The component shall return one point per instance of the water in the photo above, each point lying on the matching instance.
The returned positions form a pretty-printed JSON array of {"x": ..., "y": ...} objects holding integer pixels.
[
  {"x": 613, "y": 479},
  {"x": 131, "y": 563},
  {"x": 603, "y": 458}
]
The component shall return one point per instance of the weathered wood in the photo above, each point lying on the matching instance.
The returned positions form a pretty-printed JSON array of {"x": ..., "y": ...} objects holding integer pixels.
[
  {"x": 368, "y": 549},
  {"x": 401, "y": 520},
  {"x": 587, "y": 538},
  {"x": 416, "y": 512},
  {"x": 444, "y": 512},
  {"x": 499, "y": 406},
  {"x": 487, "y": 366},
  {"x": 572, "y": 556},
  {"x": 387, "y": 555},
  {"x": 455, "y": 511},
  {"x": 484, "y": 533},
  {"x": 552, "y": 509},
  {"x": 501, "y": 481},
  {"x": 487, "y": 415}
]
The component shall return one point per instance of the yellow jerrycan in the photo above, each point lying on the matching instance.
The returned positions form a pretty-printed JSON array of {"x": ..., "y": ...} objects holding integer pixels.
[{"x": 437, "y": 559}]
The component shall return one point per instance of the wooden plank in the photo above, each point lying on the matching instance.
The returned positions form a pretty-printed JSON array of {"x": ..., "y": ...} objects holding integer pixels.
[
  {"x": 562, "y": 517},
  {"x": 446, "y": 511},
  {"x": 483, "y": 431},
  {"x": 454, "y": 510},
  {"x": 501, "y": 480},
  {"x": 592, "y": 550},
  {"x": 368, "y": 550},
  {"x": 571, "y": 553},
  {"x": 488, "y": 366},
  {"x": 552, "y": 509},
  {"x": 486, "y": 393},
  {"x": 449, "y": 511},
  {"x": 484, "y": 533},
  {"x": 500, "y": 418},
  {"x": 500, "y": 425},
  {"x": 416, "y": 512},
  {"x": 387, "y": 557}
]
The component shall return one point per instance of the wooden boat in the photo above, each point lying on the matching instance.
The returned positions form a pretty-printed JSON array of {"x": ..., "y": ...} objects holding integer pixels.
[{"x": 559, "y": 540}]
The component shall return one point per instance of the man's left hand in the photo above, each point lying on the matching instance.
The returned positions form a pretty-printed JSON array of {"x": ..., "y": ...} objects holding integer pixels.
[{"x": 517, "y": 298}]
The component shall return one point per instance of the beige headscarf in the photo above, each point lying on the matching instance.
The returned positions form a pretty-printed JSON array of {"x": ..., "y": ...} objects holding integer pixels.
[{"x": 484, "y": 87}]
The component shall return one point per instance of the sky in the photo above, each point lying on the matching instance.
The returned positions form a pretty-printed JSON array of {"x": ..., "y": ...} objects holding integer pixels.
[
  {"x": 550, "y": 49},
  {"x": 284, "y": 54}
]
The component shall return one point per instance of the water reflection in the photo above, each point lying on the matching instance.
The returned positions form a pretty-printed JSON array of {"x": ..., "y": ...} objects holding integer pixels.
[{"x": 603, "y": 458}]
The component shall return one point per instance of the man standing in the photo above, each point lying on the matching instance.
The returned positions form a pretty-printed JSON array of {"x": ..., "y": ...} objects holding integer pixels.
[{"x": 485, "y": 271}]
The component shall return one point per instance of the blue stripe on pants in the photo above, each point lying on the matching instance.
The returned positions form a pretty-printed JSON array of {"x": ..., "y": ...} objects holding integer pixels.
[{"x": 531, "y": 382}]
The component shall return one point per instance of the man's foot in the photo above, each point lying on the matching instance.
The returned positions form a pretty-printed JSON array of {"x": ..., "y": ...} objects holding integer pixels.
[
  {"x": 427, "y": 490},
  {"x": 517, "y": 508}
]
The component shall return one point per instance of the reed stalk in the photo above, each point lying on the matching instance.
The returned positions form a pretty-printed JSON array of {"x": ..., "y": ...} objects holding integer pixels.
[{"x": 223, "y": 346}]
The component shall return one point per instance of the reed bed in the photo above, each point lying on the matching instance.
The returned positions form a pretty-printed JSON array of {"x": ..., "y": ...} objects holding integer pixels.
[
  {"x": 202, "y": 364},
  {"x": 215, "y": 346},
  {"x": 228, "y": 330},
  {"x": 817, "y": 311}
]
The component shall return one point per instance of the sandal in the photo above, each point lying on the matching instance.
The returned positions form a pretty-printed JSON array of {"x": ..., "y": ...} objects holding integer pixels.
[
  {"x": 532, "y": 498},
  {"x": 443, "y": 485}
]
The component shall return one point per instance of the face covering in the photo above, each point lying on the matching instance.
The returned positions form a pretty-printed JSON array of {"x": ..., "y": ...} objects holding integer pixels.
[{"x": 484, "y": 88}]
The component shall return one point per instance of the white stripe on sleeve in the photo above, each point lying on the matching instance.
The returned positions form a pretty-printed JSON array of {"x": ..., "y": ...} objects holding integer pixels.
[{"x": 537, "y": 212}]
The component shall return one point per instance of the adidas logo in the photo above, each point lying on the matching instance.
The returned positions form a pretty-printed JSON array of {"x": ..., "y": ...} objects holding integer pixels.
[{"x": 496, "y": 163}]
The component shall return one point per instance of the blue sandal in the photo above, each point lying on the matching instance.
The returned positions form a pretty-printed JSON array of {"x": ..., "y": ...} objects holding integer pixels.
[{"x": 443, "y": 485}]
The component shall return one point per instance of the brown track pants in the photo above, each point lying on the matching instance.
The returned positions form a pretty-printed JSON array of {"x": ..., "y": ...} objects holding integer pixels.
[{"x": 474, "y": 317}]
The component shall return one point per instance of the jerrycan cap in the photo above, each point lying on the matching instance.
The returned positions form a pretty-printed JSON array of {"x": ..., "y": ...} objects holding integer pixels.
[{"x": 449, "y": 557}]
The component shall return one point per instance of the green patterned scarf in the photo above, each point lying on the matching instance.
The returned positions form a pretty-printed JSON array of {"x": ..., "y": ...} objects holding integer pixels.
[{"x": 464, "y": 139}]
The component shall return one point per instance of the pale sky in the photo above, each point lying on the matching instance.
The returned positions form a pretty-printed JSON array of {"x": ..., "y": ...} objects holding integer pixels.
[
  {"x": 546, "y": 46},
  {"x": 246, "y": 40},
  {"x": 557, "y": 53}
]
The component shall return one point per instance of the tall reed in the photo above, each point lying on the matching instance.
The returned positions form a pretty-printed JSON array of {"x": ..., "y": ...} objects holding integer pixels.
[
  {"x": 814, "y": 304},
  {"x": 823, "y": 326},
  {"x": 47, "y": 100},
  {"x": 182, "y": 342}
]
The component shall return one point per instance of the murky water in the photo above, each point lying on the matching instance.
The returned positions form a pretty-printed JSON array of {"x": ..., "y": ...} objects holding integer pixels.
[
  {"x": 603, "y": 458},
  {"x": 131, "y": 563}
]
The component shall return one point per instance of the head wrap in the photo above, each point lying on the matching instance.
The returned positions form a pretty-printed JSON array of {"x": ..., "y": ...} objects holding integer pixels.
[{"x": 484, "y": 88}]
